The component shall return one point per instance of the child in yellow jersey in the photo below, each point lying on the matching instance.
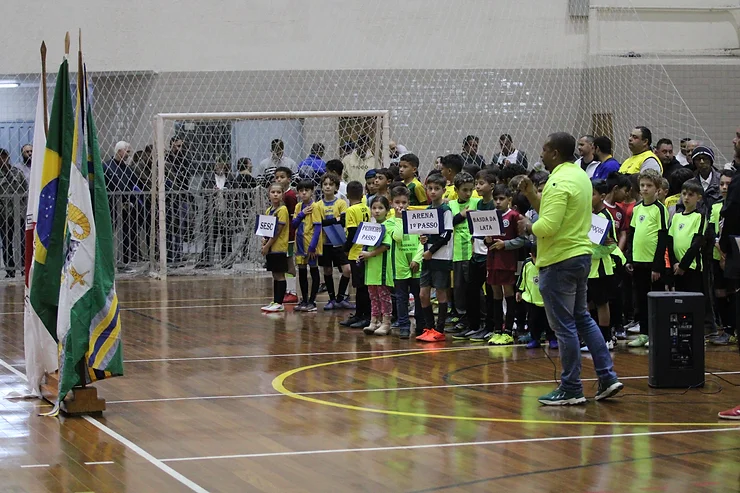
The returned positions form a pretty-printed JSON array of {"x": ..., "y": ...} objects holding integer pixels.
[
  {"x": 452, "y": 164},
  {"x": 408, "y": 167},
  {"x": 307, "y": 221},
  {"x": 358, "y": 212},
  {"x": 334, "y": 237},
  {"x": 275, "y": 249}
]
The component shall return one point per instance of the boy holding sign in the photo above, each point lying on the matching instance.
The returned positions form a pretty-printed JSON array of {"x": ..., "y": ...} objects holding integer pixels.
[
  {"x": 334, "y": 237},
  {"x": 601, "y": 280},
  {"x": 307, "y": 221},
  {"x": 407, "y": 253},
  {"x": 437, "y": 266},
  {"x": 275, "y": 247},
  {"x": 357, "y": 213}
]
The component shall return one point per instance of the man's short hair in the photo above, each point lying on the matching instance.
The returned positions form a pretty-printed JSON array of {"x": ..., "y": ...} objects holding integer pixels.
[
  {"x": 284, "y": 169},
  {"x": 685, "y": 139},
  {"x": 470, "y": 138},
  {"x": 400, "y": 190},
  {"x": 693, "y": 186},
  {"x": 604, "y": 144},
  {"x": 590, "y": 138},
  {"x": 355, "y": 190},
  {"x": 305, "y": 185},
  {"x": 646, "y": 134},
  {"x": 120, "y": 145},
  {"x": 277, "y": 144},
  {"x": 317, "y": 148},
  {"x": 436, "y": 179},
  {"x": 503, "y": 137},
  {"x": 410, "y": 158},
  {"x": 462, "y": 178},
  {"x": 453, "y": 162},
  {"x": 651, "y": 175},
  {"x": 335, "y": 166},
  {"x": 664, "y": 141},
  {"x": 564, "y": 143},
  {"x": 242, "y": 163}
]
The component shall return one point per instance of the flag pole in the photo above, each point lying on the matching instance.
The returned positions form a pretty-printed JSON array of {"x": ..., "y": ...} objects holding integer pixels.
[{"x": 43, "y": 86}]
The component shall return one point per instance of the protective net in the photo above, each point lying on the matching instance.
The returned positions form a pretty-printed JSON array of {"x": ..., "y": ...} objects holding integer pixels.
[{"x": 546, "y": 67}]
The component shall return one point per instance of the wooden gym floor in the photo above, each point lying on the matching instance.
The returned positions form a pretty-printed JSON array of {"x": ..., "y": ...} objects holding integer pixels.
[{"x": 220, "y": 397}]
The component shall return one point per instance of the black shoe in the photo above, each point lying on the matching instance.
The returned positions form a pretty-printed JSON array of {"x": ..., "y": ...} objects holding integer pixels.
[
  {"x": 322, "y": 288},
  {"x": 351, "y": 320},
  {"x": 360, "y": 324},
  {"x": 404, "y": 333},
  {"x": 479, "y": 336}
]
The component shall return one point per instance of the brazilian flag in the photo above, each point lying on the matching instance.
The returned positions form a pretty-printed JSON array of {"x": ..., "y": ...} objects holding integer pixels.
[{"x": 49, "y": 237}]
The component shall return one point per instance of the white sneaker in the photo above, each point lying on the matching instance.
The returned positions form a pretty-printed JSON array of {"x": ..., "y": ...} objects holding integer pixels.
[
  {"x": 610, "y": 345},
  {"x": 273, "y": 307},
  {"x": 635, "y": 329}
]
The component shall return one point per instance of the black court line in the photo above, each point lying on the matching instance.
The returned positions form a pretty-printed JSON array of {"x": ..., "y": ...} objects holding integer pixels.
[{"x": 571, "y": 468}]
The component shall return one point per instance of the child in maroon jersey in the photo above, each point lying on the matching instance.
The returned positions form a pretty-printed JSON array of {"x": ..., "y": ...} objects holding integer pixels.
[{"x": 502, "y": 262}]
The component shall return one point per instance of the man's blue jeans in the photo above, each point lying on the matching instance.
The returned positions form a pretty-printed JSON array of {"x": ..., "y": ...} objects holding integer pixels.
[{"x": 563, "y": 286}]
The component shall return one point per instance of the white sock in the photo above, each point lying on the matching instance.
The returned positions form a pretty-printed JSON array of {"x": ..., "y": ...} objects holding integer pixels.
[{"x": 290, "y": 282}]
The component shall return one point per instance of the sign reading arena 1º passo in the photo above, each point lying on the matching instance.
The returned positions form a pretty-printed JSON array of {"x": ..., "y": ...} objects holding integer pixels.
[
  {"x": 369, "y": 234},
  {"x": 422, "y": 222},
  {"x": 265, "y": 226},
  {"x": 484, "y": 223}
]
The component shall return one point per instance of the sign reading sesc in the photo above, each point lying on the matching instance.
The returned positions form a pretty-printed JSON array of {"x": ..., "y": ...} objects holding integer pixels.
[
  {"x": 422, "y": 222},
  {"x": 265, "y": 226}
]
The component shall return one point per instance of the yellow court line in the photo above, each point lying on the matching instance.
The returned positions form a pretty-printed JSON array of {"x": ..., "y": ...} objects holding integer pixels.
[{"x": 279, "y": 384}]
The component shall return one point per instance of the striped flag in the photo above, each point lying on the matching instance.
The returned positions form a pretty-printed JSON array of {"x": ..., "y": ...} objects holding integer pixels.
[
  {"x": 89, "y": 325},
  {"x": 39, "y": 347}
]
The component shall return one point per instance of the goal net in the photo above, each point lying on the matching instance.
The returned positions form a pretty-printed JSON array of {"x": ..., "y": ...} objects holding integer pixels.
[{"x": 442, "y": 70}]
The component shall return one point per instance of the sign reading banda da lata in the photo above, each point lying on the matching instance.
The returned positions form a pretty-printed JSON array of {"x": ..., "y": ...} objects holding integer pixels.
[
  {"x": 265, "y": 226},
  {"x": 485, "y": 223},
  {"x": 422, "y": 222},
  {"x": 369, "y": 234}
]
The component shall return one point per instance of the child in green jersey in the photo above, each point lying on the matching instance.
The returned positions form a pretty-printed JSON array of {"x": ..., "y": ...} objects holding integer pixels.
[
  {"x": 462, "y": 246},
  {"x": 379, "y": 272},
  {"x": 646, "y": 247},
  {"x": 406, "y": 255},
  {"x": 723, "y": 298},
  {"x": 685, "y": 239}
]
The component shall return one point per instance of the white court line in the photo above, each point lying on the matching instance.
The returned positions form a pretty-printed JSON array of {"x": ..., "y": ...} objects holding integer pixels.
[
  {"x": 100, "y": 463},
  {"x": 127, "y": 443},
  {"x": 30, "y": 466},
  {"x": 190, "y": 307},
  {"x": 360, "y": 391},
  {"x": 444, "y": 445},
  {"x": 291, "y": 355}
]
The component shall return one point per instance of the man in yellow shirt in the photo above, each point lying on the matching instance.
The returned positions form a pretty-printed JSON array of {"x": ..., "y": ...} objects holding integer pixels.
[{"x": 564, "y": 261}]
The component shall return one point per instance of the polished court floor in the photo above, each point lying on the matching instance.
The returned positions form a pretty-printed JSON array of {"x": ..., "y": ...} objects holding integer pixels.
[{"x": 220, "y": 397}]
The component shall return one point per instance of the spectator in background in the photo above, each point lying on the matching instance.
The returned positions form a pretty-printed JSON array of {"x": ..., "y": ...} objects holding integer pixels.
[
  {"x": 336, "y": 166},
  {"x": 222, "y": 208},
  {"x": 359, "y": 161},
  {"x": 315, "y": 159},
  {"x": 690, "y": 146},
  {"x": 735, "y": 163},
  {"x": 265, "y": 170},
  {"x": 469, "y": 153},
  {"x": 707, "y": 176},
  {"x": 438, "y": 163},
  {"x": 12, "y": 182},
  {"x": 25, "y": 164},
  {"x": 126, "y": 195},
  {"x": 664, "y": 150},
  {"x": 607, "y": 163},
  {"x": 244, "y": 178},
  {"x": 683, "y": 156},
  {"x": 642, "y": 158},
  {"x": 396, "y": 151},
  {"x": 509, "y": 154},
  {"x": 587, "y": 161}
]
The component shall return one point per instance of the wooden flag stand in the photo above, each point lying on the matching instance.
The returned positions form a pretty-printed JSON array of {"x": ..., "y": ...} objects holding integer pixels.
[{"x": 80, "y": 401}]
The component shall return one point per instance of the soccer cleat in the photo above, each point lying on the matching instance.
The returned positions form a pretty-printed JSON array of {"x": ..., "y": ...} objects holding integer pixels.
[
  {"x": 501, "y": 340},
  {"x": 331, "y": 305},
  {"x": 559, "y": 397},
  {"x": 608, "y": 389},
  {"x": 553, "y": 344},
  {"x": 431, "y": 335},
  {"x": 642, "y": 340},
  {"x": 310, "y": 307},
  {"x": 733, "y": 413},
  {"x": 273, "y": 308},
  {"x": 290, "y": 298}
]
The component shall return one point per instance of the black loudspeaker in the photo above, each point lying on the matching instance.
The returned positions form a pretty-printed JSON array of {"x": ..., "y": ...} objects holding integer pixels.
[{"x": 676, "y": 331}]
